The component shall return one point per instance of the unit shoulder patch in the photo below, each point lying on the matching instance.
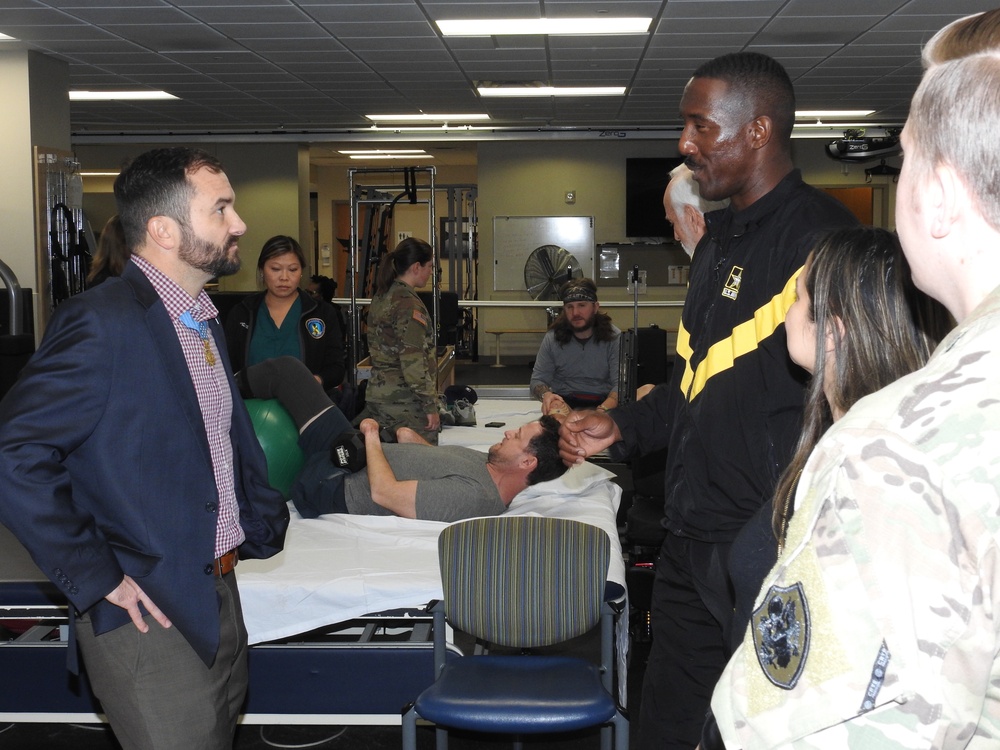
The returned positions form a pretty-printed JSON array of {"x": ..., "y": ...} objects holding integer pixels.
[{"x": 780, "y": 629}]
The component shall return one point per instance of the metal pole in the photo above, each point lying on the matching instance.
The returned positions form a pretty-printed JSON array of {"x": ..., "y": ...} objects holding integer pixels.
[{"x": 13, "y": 298}]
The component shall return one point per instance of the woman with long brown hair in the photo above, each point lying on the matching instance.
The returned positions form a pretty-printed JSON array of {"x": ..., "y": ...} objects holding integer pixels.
[
  {"x": 402, "y": 391},
  {"x": 857, "y": 325}
]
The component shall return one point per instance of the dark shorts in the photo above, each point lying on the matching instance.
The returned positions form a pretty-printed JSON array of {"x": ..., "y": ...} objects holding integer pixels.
[{"x": 319, "y": 488}]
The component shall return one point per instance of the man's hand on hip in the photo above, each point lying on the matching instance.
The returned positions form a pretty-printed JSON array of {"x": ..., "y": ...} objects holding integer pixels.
[{"x": 129, "y": 596}]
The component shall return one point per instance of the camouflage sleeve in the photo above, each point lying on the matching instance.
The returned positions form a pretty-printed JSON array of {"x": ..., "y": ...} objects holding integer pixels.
[
  {"x": 877, "y": 627},
  {"x": 416, "y": 358}
]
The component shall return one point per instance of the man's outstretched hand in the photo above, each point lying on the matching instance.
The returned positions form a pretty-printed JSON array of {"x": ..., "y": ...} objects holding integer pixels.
[{"x": 584, "y": 433}]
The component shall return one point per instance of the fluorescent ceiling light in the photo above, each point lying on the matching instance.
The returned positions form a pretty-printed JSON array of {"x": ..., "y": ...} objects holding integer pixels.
[
  {"x": 391, "y": 156},
  {"x": 834, "y": 112},
  {"x": 100, "y": 173},
  {"x": 110, "y": 96},
  {"x": 5, "y": 38},
  {"x": 551, "y": 26},
  {"x": 551, "y": 90},
  {"x": 427, "y": 129},
  {"x": 370, "y": 151},
  {"x": 427, "y": 118}
]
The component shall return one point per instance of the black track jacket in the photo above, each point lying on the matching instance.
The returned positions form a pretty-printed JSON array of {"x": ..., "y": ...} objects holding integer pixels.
[{"x": 731, "y": 414}]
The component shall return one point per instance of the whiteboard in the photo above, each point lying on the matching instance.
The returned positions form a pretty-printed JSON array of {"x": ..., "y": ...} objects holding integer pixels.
[{"x": 514, "y": 237}]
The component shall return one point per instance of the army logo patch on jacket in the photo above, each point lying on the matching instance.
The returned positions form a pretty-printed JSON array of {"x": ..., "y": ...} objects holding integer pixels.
[
  {"x": 780, "y": 629},
  {"x": 316, "y": 327},
  {"x": 732, "y": 287}
]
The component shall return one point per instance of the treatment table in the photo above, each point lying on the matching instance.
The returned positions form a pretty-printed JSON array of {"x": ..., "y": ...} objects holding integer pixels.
[{"x": 337, "y": 620}]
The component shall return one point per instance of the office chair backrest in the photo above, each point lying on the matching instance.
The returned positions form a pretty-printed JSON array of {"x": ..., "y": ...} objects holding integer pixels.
[{"x": 523, "y": 581}]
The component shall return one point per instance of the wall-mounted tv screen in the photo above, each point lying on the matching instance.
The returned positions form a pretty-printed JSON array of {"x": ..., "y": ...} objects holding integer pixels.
[{"x": 645, "y": 181}]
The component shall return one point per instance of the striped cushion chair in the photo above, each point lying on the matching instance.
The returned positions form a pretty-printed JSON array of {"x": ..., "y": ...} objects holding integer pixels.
[{"x": 521, "y": 582}]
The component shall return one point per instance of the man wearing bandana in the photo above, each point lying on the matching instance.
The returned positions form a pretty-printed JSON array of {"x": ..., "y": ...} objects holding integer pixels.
[{"x": 577, "y": 363}]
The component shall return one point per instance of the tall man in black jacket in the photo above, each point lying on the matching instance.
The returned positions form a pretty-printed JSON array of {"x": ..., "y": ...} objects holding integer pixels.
[{"x": 731, "y": 414}]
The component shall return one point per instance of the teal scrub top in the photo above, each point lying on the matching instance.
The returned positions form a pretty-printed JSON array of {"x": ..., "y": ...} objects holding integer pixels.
[{"x": 269, "y": 341}]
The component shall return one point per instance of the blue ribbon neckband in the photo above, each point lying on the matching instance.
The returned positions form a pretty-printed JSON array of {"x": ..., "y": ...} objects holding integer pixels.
[{"x": 201, "y": 328}]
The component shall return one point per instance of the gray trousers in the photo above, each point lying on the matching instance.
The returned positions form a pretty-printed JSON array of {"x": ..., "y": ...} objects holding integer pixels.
[{"x": 157, "y": 692}]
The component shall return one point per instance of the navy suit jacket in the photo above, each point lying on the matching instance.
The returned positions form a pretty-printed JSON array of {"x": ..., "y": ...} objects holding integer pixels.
[{"x": 105, "y": 467}]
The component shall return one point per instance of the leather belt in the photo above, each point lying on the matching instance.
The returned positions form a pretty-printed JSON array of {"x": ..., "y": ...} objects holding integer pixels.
[{"x": 226, "y": 562}]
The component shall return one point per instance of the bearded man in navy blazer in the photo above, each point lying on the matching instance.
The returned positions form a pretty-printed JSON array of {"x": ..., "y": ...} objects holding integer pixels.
[{"x": 130, "y": 468}]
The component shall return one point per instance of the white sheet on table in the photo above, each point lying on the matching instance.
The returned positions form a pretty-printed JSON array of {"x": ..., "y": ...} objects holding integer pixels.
[
  {"x": 513, "y": 413},
  {"x": 338, "y": 567}
]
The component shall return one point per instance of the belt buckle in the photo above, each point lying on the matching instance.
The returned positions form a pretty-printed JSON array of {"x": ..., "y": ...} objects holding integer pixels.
[{"x": 226, "y": 563}]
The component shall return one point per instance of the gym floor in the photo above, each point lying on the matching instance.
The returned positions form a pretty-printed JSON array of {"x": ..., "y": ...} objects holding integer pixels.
[{"x": 99, "y": 737}]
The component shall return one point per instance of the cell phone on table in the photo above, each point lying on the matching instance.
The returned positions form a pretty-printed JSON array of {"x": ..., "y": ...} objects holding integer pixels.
[{"x": 495, "y": 424}]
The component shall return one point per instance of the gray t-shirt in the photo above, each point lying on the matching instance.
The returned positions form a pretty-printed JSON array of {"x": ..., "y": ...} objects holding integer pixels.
[
  {"x": 589, "y": 366},
  {"x": 452, "y": 483}
]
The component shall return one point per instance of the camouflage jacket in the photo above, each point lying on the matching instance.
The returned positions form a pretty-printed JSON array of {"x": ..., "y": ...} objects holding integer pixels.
[
  {"x": 401, "y": 341},
  {"x": 880, "y": 624}
]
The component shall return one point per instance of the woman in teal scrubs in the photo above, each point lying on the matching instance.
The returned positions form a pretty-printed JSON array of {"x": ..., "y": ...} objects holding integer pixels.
[{"x": 284, "y": 320}]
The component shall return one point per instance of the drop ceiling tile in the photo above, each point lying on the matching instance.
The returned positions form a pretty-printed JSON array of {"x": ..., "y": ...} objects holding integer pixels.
[
  {"x": 309, "y": 44},
  {"x": 459, "y": 9},
  {"x": 14, "y": 17},
  {"x": 633, "y": 42},
  {"x": 291, "y": 60},
  {"x": 807, "y": 8},
  {"x": 71, "y": 4},
  {"x": 288, "y": 31},
  {"x": 699, "y": 26},
  {"x": 335, "y": 13},
  {"x": 315, "y": 54},
  {"x": 223, "y": 15},
  {"x": 173, "y": 37},
  {"x": 934, "y": 7},
  {"x": 194, "y": 4},
  {"x": 914, "y": 38},
  {"x": 695, "y": 44},
  {"x": 102, "y": 15},
  {"x": 55, "y": 35},
  {"x": 711, "y": 9}
]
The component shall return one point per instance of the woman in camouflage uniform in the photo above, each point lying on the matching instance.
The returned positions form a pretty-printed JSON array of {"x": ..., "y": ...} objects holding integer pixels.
[{"x": 402, "y": 391}]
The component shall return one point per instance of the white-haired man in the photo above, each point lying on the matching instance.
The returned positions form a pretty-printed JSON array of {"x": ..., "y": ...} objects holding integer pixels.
[
  {"x": 879, "y": 626},
  {"x": 685, "y": 208}
]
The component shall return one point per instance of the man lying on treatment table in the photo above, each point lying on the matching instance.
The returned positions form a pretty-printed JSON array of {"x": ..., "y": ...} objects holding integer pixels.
[{"x": 409, "y": 478}]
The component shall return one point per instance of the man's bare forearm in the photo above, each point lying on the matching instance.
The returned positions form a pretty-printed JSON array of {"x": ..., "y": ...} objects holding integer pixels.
[
  {"x": 538, "y": 390},
  {"x": 387, "y": 491}
]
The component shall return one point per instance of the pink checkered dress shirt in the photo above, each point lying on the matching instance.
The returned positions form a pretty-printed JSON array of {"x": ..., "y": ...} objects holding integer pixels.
[{"x": 211, "y": 384}]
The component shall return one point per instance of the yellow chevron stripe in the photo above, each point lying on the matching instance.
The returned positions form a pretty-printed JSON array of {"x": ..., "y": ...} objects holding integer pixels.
[{"x": 745, "y": 338}]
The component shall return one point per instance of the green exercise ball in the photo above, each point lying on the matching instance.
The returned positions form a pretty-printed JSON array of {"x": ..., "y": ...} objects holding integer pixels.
[{"x": 278, "y": 436}]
